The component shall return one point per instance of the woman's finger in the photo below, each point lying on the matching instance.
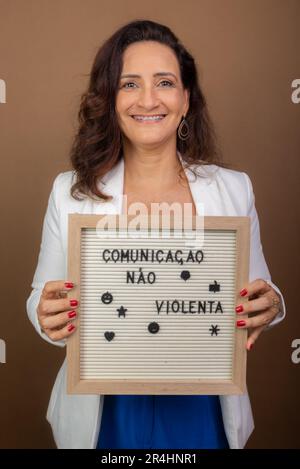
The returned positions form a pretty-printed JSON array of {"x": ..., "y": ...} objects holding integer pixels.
[
  {"x": 57, "y": 306},
  {"x": 253, "y": 336},
  {"x": 61, "y": 334},
  {"x": 57, "y": 320},
  {"x": 53, "y": 287},
  {"x": 260, "y": 304},
  {"x": 256, "y": 286},
  {"x": 262, "y": 319}
]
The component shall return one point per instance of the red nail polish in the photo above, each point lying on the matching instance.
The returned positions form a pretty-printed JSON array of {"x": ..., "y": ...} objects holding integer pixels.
[
  {"x": 73, "y": 303},
  {"x": 241, "y": 323},
  {"x": 71, "y": 327},
  {"x": 72, "y": 314},
  {"x": 69, "y": 284},
  {"x": 250, "y": 346},
  {"x": 243, "y": 292},
  {"x": 239, "y": 308}
]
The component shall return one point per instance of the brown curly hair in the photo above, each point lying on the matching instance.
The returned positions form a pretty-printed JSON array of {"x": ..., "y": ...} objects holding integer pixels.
[{"x": 97, "y": 146}]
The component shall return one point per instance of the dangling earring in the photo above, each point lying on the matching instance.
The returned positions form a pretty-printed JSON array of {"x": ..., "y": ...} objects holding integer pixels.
[{"x": 183, "y": 134}]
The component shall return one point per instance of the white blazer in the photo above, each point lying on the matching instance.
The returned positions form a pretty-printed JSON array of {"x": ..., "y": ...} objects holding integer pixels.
[{"x": 75, "y": 419}]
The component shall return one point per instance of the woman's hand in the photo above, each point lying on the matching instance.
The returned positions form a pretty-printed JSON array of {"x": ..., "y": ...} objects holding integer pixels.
[
  {"x": 56, "y": 313},
  {"x": 263, "y": 299}
]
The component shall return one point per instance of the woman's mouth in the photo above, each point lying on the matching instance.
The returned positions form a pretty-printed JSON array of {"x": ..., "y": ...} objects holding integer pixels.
[{"x": 149, "y": 119}]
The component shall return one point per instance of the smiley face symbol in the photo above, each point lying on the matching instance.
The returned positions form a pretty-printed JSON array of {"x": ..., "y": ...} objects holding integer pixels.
[{"x": 106, "y": 298}]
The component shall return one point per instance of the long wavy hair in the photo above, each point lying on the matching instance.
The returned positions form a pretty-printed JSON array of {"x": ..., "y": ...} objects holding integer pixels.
[{"x": 97, "y": 146}]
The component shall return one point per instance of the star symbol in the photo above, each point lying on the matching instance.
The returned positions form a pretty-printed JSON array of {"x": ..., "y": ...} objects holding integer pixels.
[
  {"x": 122, "y": 311},
  {"x": 214, "y": 330}
]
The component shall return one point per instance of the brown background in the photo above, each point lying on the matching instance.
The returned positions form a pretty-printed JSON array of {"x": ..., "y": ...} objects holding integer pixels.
[{"x": 247, "y": 52}]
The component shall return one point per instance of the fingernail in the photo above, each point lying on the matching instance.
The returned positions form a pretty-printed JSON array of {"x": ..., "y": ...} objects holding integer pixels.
[
  {"x": 71, "y": 327},
  {"x": 243, "y": 292},
  {"x": 69, "y": 284},
  {"x": 72, "y": 314},
  {"x": 73, "y": 303},
  {"x": 239, "y": 308},
  {"x": 250, "y": 346},
  {"x": 240, "y": 323}
]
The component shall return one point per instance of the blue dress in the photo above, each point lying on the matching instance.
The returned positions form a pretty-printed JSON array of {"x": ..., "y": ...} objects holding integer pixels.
[{"x": 161, "y": 422}]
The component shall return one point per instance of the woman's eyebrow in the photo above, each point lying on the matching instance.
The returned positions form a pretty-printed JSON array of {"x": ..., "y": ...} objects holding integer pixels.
[{"x": 158, "y": 74}]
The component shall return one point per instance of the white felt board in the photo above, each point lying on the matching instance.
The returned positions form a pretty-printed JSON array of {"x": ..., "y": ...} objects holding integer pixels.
[{"x": 157, "y": 316}]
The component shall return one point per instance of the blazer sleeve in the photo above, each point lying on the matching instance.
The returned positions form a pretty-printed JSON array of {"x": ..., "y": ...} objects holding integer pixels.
[
  {"x": 51, "y": 262},
  {"x": 258, "y": 267}
]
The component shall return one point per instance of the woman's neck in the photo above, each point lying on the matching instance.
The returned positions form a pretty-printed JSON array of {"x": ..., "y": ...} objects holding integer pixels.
[{"x": 153, "y": 168}]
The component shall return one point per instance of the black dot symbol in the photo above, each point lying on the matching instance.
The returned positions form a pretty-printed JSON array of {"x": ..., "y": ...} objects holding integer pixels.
[{"x": 153, "y": 327}]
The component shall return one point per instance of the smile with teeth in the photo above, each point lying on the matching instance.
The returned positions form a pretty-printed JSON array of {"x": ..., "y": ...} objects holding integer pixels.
[{"x": 154, "y": 118}]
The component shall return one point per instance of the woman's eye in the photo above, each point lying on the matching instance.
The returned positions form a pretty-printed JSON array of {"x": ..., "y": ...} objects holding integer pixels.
[
  {"x": 131, "y": 83},
  {"x": 167, "y": 81}
]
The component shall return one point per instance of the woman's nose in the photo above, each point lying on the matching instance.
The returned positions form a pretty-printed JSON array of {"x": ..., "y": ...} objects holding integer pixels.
[{"x": 148, "y": 98}]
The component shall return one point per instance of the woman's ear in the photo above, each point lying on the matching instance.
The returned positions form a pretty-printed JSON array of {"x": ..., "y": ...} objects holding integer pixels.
[{"x": 187, "y": 101}]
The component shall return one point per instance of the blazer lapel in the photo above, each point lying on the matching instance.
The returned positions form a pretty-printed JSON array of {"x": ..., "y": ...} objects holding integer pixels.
[
  {"x": 202, "y": 187},
  {"x": 112, "y": 184}
]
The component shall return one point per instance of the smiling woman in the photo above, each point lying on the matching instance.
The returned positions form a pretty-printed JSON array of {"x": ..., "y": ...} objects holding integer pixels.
[
  {"x": 144, "y": 129},
  {"x": 143, "y": 103}
]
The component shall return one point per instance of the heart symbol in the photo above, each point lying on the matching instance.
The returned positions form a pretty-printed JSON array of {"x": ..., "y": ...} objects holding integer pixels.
[{"x": 109, "y": 335}]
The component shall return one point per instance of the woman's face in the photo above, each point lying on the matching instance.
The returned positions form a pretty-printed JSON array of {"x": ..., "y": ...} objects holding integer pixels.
[{"x": 154, "y": 88}]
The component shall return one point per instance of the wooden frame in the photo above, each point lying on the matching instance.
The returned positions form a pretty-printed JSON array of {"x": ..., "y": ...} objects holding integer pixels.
[{"x": 235, "y": 385}]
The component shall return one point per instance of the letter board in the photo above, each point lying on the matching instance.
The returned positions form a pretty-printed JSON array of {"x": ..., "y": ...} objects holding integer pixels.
[{"x": 157, "y": 306}]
